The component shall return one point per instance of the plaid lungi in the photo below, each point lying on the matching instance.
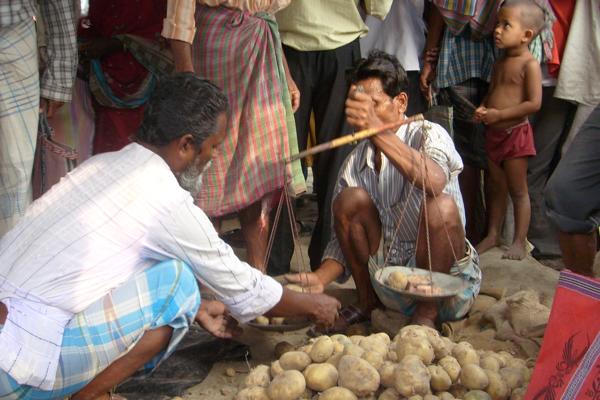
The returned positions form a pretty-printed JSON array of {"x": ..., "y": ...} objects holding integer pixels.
[
  {"x": 242, "y": 54},
  {"x": 19, "y": 108},
  {"x": 165, "y": 294}
]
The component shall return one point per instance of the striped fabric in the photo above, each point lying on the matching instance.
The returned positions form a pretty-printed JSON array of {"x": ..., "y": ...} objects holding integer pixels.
[
  {"x": 479, "y": 15},
  {"x": 15, "y": 11},
  {"x": 163, "y": 295},
  {"x": 241, "y": 53},
  {"x": 462, "y": 58},
  {"x": 391, "y": 192},
  {"x": 19, "y": 103}
]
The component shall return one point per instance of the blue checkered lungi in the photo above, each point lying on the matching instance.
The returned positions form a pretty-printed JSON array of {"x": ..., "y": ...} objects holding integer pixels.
[{"x": 164, "y": 295}]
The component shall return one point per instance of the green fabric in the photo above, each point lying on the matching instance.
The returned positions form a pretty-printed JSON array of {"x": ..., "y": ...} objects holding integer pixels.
[
  {"x": 298, "y": 183},
  {"x": 312, "y": 25}
]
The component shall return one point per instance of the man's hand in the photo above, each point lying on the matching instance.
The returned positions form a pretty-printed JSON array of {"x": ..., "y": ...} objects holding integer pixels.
[
  {"x": 294, "y": 94},
  {"x": 324, "y": 309},
  {"x": 49, "y": 107},
  {"x": 427, "y": 76},
  {"x": 360, "y": 110},
  {"x": 98, "y": 48},
  {"x": 214, "y": 317},
  {"x": 309, "y": 281}
]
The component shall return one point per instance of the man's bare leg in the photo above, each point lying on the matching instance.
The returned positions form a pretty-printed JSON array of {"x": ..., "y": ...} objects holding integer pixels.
[
  {"x": 496, "y": 192},
  {"x": 578, "y": 251},
  {"x": 516, "y": 178},
  {"x": 358, "y": 230},
  {"x": 447, "y": 244},
  {"x": 151, "y": 344},
  {"x": 255, "y": 230}
]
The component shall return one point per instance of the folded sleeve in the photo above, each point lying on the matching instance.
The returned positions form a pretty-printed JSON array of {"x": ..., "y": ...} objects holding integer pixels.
[
  {"x": 180, "y": 23},
  {"x": 378, "y": 8}
]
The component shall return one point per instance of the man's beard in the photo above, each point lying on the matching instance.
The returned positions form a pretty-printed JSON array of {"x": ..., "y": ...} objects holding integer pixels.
[{"x": 191, "y": 178}]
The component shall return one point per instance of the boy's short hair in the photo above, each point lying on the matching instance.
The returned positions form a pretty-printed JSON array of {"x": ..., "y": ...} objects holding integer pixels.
[
  {"x": 384, "y": 66},
  {"x": 533, "y": 15}
]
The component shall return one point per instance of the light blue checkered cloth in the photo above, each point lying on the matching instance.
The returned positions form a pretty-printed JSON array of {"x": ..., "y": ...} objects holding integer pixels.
[{"x": 166, "y": 294}]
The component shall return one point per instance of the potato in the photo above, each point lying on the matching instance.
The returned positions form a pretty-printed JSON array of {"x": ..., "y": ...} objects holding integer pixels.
[
  {"x": 374, "y": 358},
  {"x": 504, "y": 357},
  {"x": 258, "y": 376},
  {"x": 289, "y": 385},
  {"x": 297, "y": 360},
  {"x": 392, "y": 355},
  {"x": 261, "y": 320},
  {"x": 412, "y": 377},
  {"x": 440, "y": 380},
  {"x": 322, "y": 349},
  {"x": 294, "y": 288},
  {"x": 418, "y": 346},
  {"x": 397, "y": 280},
  {"x": 430, "y": 397},
  {"x": 338, "y": 347},
  {"x": 320, "y": 377},
  {"x": 516, "y": 363},
  {"x": 465, "y": 354},
  {"x": 306, "y": 348},
  {"x": 477, "y": 395},
  {"x": 343, "y": 339},
  {"x": 353, "y": 350},
  {"x": 252, "y": 393},
  {"x": 386, "y": 374},
  {"x": 277, "y": 321},
  {"x": 307, "y": 395},
  {"x": 389, "y": 394},
  {"x": 451, "y": 366},
  {"x": 283, "y": 347},
  {"x": 518, "y": 394},
  {"x": 513, "y": 377},
  {"x": 490, "y": 363},
  {"x": 414, "y": 331},
  {"x": 356, "y": 339},
  {"x": 275, "y": 369},
  {"x": 497, "y": 388},
  {"x": 445, "y": 396},
  {"x": 374, "y": 343},
  {"x": 335, "y": 359},
  {"x": 416, "y": 397},
  {"x": 358, "y": 375},
  {"x": 337, "y": 393},
  {"x": 383, "y": 336},
  {"x": 473, "y": 377},
  {"x": 442, "y": 346}
]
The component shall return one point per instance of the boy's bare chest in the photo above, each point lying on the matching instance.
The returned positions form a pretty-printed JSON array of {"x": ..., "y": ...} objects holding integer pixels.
[{"x": 510, "y": 72}]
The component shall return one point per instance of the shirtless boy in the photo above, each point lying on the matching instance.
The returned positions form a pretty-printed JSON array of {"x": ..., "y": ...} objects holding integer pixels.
[{"x": 515, "y": 92}]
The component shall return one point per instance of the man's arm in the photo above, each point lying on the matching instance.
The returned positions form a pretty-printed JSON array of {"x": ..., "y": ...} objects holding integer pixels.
[
  {"x": 179, "y": 27},
  {"x": 57, "y": 80},
  {"x": 361, "y": 114},
  {"x": 435, "y": 31}
]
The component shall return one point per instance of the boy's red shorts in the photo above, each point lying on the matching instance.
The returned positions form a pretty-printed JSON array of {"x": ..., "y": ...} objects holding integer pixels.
[{"x": 513, "y": 142}]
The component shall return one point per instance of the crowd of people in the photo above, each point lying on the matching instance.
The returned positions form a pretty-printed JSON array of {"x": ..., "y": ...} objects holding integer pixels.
[{"x": 194, "y": 108}]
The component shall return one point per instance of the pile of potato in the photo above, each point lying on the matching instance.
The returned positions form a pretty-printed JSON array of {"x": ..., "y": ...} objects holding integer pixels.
[{"x": 418, "y": 364}]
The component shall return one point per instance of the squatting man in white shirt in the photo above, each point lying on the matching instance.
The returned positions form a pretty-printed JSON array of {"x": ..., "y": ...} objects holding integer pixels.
[{"x": 102, "y": 277}]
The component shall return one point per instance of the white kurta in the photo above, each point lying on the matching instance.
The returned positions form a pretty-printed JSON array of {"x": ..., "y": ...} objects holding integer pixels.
[{"x": 116, "y": 214}]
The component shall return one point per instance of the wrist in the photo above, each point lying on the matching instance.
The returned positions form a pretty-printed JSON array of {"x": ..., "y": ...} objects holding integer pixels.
[{"x": 329, "y": 271}]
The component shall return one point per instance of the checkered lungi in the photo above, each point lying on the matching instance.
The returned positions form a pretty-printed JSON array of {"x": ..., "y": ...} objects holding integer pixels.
[
  {"x": 19, "y": 109},
  {"x": 165, "y": 294}
]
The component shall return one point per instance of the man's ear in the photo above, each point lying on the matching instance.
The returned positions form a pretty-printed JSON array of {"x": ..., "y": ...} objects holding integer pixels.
[
  {"x": 402, "y": 102},
  {"x": 186, "y": 145}
]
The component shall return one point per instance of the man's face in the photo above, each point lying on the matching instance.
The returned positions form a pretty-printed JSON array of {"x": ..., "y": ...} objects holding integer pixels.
[
  {"x": 388, "y": 109},
  {"x": 191, "y": 177}
]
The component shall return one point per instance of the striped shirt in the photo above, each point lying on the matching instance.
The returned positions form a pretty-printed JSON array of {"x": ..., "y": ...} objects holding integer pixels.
[
  {"x": 115, "y": 215},
  {"x": 391, "y": 192},
  {"x": 58, "y": 16}
]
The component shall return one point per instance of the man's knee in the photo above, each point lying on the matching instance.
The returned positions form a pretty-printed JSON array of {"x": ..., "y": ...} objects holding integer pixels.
[
  {"x": 442, "y": 212},
  {"x": 349, "y": 203},
  {"x": 182, "y": 282}
]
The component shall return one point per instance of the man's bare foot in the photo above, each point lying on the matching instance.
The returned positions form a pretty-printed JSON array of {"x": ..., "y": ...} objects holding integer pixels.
[
  {"x": 487, "y": 243},
  {"x": 517, "y": 251}
]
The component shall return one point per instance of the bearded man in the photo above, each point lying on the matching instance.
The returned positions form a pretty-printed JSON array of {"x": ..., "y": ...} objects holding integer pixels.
[{"x": 99, "y": 279}]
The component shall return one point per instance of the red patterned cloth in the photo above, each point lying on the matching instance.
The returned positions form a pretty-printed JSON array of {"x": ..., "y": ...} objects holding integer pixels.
[{"x": 568, "y": 366}]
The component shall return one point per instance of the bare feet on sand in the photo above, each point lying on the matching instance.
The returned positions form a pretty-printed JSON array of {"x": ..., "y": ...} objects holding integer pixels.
[
  {"x": 487, "y": 243},
  {"x": 517, "y": 251}
]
